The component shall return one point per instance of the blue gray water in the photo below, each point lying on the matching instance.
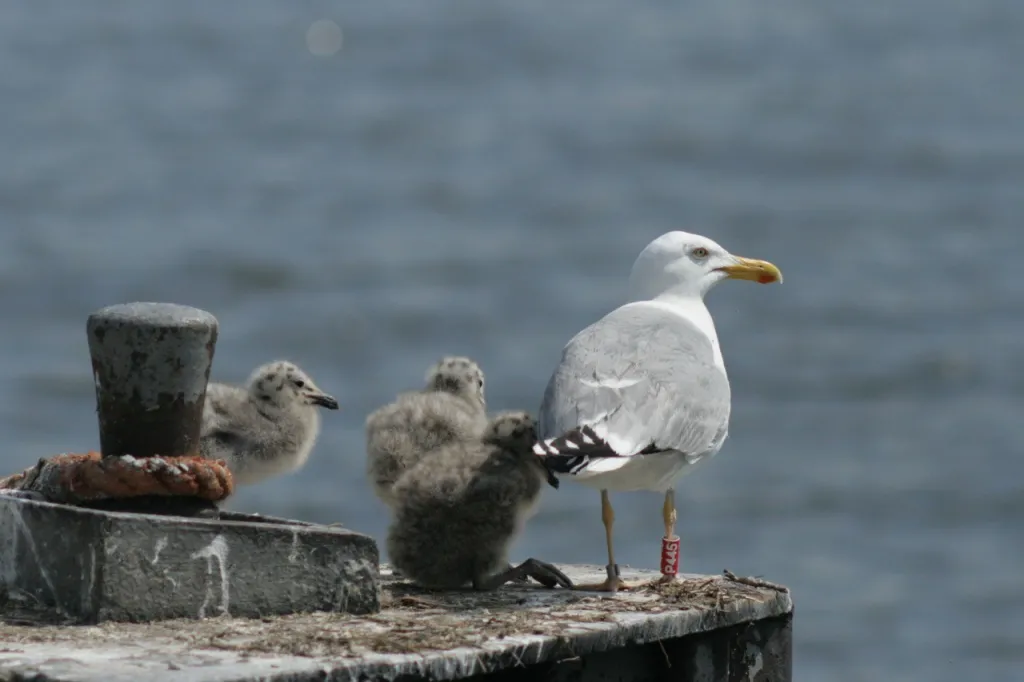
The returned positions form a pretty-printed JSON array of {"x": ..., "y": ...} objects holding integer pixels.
[{"x": 478, "y": 177}]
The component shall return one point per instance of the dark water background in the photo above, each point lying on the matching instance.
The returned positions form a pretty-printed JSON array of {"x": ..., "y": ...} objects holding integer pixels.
[{"x": 478, "y": 177}]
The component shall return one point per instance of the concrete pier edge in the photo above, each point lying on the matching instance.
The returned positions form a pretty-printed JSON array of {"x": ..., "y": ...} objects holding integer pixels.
[{"x": 711, "y": 630}]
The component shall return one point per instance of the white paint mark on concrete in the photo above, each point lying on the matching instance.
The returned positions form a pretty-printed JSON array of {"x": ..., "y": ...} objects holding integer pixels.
[
  {"x": 9, "y": 535},
  {"x": 515, "y": 654},
  {"x": 703, "y": 664},
  {"x": 90, "y": 581},
  {"x": 753, "y": 654},
  {"x": 215, "y": 551},
  {"x": 160, "y": 544},
  {"x": 31, "y": 544},
  {"x": 293, "y": 555}
]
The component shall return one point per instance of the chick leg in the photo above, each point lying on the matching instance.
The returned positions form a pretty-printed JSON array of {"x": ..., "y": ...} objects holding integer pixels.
[
  {"x": 524, "y": 580},
  {"x": 670, "y": 543},
  {"x": 541, "y": 571},
  {"x": 612, "y": 583}
]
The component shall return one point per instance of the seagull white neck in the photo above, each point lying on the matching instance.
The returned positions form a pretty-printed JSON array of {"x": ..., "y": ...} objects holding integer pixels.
[{"x": 693, "y": 309}]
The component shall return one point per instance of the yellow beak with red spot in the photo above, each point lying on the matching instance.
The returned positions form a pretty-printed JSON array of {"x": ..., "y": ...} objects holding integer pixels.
[{"x": 760, "y": 271}]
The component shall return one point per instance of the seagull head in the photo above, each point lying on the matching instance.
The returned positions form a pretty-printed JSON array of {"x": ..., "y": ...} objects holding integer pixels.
[
  {"x": 282, "y": 384},
  {"x": 686, "y": 265}
]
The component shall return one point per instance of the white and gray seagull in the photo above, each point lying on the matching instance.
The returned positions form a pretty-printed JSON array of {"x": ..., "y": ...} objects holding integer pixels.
[{"x": 642, "y": 395}]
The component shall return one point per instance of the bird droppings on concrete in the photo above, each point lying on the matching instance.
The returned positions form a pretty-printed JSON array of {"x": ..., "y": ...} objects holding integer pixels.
[{"x": 413, "y": 620}]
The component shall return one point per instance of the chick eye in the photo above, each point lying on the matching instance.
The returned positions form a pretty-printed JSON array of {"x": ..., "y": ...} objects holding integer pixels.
[
  {"x": 300, "y": 383},
  {"x": 480, "y": 383},
  {"x": 699, "y": 252}
]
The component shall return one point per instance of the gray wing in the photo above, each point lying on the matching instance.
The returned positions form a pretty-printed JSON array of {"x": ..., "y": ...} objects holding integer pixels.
[{"x": 643, "y": 379}]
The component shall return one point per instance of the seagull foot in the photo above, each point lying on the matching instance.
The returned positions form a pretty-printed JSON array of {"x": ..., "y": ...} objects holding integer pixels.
[{"x": 612, "y": 584}]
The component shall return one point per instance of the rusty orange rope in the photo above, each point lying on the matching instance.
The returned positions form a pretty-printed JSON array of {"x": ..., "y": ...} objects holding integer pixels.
[{"x": 77, "y": 478}]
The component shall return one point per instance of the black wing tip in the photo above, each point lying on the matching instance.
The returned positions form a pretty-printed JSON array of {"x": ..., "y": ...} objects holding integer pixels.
[
  {"x": 582, "y": 440},
  {"x": 571, "y": 452}
]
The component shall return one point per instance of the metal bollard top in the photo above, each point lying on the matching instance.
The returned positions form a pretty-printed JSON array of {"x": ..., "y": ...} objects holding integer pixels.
[{"x": 151, "y": 363}]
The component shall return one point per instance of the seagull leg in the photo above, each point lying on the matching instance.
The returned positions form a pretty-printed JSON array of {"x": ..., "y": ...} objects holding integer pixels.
[
  {"x": 669, "y": 543},
  {"x": 522, "y": 580},
  {"x": 612, "y": 583}
]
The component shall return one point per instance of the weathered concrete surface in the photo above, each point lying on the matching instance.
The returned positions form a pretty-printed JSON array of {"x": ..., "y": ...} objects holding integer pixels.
[
  {"x": 68, "y": 564},
  {"x": 706, "y": 629}
]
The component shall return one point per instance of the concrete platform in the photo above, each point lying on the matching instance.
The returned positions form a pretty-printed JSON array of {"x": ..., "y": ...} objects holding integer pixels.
[
  {"x": 706, "y": 629},
  {"x": 65, "y": 564}
]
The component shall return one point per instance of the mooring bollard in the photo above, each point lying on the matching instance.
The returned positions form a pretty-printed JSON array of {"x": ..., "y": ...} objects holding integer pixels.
[
  {"x": 84, "y": 532},
  {"x": 151, "y": 363}
]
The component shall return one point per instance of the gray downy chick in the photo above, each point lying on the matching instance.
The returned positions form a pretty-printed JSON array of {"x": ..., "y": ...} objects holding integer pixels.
[
  {"x": 460, "y": 509},
  {"x": 450, "y": 408},
  {"x": 267, "y": 428}
]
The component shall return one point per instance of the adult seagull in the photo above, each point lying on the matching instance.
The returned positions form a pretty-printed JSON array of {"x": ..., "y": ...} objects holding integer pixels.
[{"x": 642, "y": 395}]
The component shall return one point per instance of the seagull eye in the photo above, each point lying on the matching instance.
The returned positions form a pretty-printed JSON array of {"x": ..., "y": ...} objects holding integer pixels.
[
  {"x": 699, "y": 252},
  {"x": 300, "y": 383}
]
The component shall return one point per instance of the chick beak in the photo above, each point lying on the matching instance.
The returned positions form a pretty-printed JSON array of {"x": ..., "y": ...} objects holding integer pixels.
[{"x": 322, "y": 399}]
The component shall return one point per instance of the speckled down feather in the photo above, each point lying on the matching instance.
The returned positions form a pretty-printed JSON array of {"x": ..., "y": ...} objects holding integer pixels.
[
  {"x": 460, "y": 509},
  {"x": 450, "y": 408}
]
